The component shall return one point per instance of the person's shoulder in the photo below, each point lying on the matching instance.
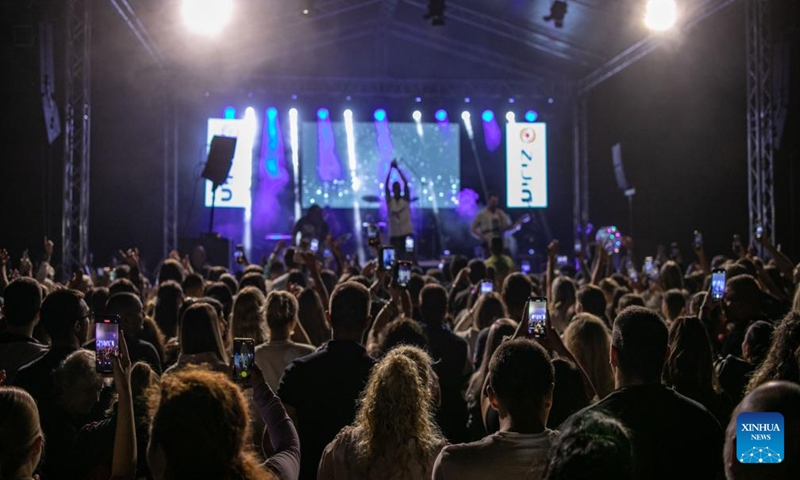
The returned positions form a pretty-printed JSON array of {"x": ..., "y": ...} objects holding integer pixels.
[
  {"x": 458, "y": 451},
  {"x": 691, "y": 408}
]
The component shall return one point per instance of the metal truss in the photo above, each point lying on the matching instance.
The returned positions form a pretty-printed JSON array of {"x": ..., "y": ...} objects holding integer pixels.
[
  {"x": 580, "y": 165},
  {"x": 77, "y": 128},
  {"x": 760, "y": 118}
]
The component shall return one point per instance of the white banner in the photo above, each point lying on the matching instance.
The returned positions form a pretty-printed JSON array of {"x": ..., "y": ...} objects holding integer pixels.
[
  {"x": 526, "y": 165},
  {"x": 235, "y": 192}
]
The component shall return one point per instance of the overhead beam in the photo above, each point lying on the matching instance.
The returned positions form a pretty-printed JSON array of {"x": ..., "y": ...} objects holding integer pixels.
[{"x": 137, "y": 27}]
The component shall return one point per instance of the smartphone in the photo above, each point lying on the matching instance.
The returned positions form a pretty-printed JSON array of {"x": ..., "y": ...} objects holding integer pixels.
[
  {"x": 649, "y": 270},
  {"x": 372, "y": 234},
  {"x": 525, "y": 266},
  {"x": 238, "y": 254},
  {"x": 577, "y": 247},
  {"x": 441, "y": 265},
  {"x": 537, "y": 315},
  {"x": 759, "y": 232},
  {"x": 718, "y": 284},
  {"x": 387, "y": 258},
  {"x": 410, "y": 243},
  {"x": 698, "y": 240},
  {"x": 106, "y": 342},
  {"x": 487, "y": 286},
  {"x": 562, "y": 261},
  {"x": 244, "y": 351},
  {"x": 736, "y": 244},
  {"x": 403, "y": 275},
  {"x": 313, "y": 245}
]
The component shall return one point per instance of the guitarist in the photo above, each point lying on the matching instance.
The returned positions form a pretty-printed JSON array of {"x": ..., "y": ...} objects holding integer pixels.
[{"x": 492, "y": 222}]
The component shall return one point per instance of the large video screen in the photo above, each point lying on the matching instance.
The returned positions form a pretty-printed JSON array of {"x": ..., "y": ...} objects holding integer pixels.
[{"x": 337, "y": 172}]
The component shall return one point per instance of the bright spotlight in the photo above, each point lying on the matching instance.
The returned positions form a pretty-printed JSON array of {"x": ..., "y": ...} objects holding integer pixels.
[
  {"x": 511, "y": 117},
  {"x": 465, "y": 116},
  {"x": 206, "y": 17},
  {"x": 417, "y": 115},
  {"x": 440, "y": 115},
  {"x": 348, "y": 114},
  {"x": 531, "y": 116},
  {"x": 380, "y": 115},
  {"x": 487, "y": 116},
  {"x": 323, "y": 113},
  {"x": 660, "y": 15}
]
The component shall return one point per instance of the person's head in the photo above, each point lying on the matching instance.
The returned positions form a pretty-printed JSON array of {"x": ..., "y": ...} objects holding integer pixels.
[
  {"x": 21, "y": 437},
  {"x": 608, "y": 286},
  {"x": 489, "y": 308},
  {"x": 589, "y": 340},
  {"x": 200, "y": 428},
  {"x": 253, "y": 279},
  {"x": 690, "y": 366},
  {"x": 296, "y": 277},
  {"x": 193, "y": 285},
  {"x": 348, "y": 312},
  {"x": 521, "y": 381},
  {"x": 201, "y": 332},
  {"x": 433, "y": 303},
  {"x": 696, "y": 302},
  {"x": 457, "y": 263},
  {"x": 564, "y": 293},
  {"x": 591, "y": 300},
  {"x": 403, "y": 331},
  {"x": 396, "y": 189},
  {"x": 630, "y": 300},
  {"x": 742, "y": 300},
  {"x": 171, "y": 269},
  {"x": 639, "y": 346},
  {"x": 22, "y": 301},
  {"x": 673, "y": 304},
  {"x": 477, "y": 270},
  {"x": 569, "y": 394},
  {"x": 281, "y": 312},
  {"x": 130, "y": 311},
  {"x": 496, "y": 246},
  {"x": 592, "y": 442},
  {"x": 499, "y": 330},
  {"x": 230, "y": 281},
  {"x": 288, "y": 259},
  {"x": 223, "y": 294},
  {"x": 169, "y": 299},
  {"x": 77, "y": 383},
  {"x": 96, "y": 299},
  {"x": 782, "y": 361},
  {"x": 517, "y": 288},
  {"x": 395, "y": 416},
  {"x": 492, "y": 201},
  {"x": 65, "y": 317},
  {"x": 247, "y": 320},
  {"x": 775, "y": 396},
  {"x": 122, "y": 285},
  {"x": 311, "y": 314},
  {"x": 415, "y": 284},
  {"x": 670, "y": 276},
  {"x": 315, "y": 213},
  {"x": 756, "y": 342}
]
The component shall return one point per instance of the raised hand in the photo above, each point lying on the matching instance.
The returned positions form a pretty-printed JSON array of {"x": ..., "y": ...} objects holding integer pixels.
[
  {"x": 121, "y": 364},
  {"x": 130, "y": 256},
  {"x": 25, "y": 266},
  {"x": 48, "y": 248},
  {"x": 552, "y": 249}
]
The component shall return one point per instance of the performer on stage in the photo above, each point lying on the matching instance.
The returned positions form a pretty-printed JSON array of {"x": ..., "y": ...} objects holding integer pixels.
[
  {"x": 399, "y": 207},
  {"x": 311, "y": 225},
  {"x": 492, "y": 222}
]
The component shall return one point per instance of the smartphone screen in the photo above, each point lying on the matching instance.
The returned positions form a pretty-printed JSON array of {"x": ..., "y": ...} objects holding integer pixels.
[
  {"x": 537, "y": 313},
  {"x": 759, "y": 232},
  {"x": 403, "y": 274},
  {"x": 648, "y": 266},
  {"x": 372, "y": 234},
  {"x": 562, "y": 260},
  {"x": 698, "y": 239},
  {"x": 409, "y": 244},
  {"x": 577, "y": 248},
  {"x": 525, "y": 266},
  {"x": 441, "y": 265},
  {"x": 238, "y": 254},
  {"x": 243, "y": 358},
  {"x": 106, "y": 335},
  {"x": 487, "y": 286},
  {"x": 314, "y": 245},
  {"x": 387, "y": 258},
  {"x": 718, "y": 284}
]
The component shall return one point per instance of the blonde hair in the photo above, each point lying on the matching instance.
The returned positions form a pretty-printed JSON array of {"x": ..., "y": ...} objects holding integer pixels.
[
  {"x": 247, "y": 319},
  {"x": 281, "y": 310},
  {"x": 589, "y": 340},
  {"x": 395, "y": 421},
  {"x": 19, "y": 428}
]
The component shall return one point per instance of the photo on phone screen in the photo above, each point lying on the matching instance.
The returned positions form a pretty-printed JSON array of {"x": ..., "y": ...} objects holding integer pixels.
[
  {"x": 525, "y": 266},
  {"x": 403, "y": 274},
  {"x": 106, "y": 334},
  {"x": 487, "y": 286},
  {"x": 244, "y": 351},
  {"x": 718, "y": 284},
  {"x": 537, "y": 315},
  {"x": 410, "y": 243},
  {"x": 313, "y": 245},
  {"x": 562, "y": 260},
  {"x": 238, "y": 254},
  {"x": 648, "y": 266},
  {"x": 387, "y": 258}
]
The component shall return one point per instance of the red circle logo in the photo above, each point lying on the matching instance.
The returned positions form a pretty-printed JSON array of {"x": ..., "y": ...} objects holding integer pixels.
[{"x": 527, "y": 135}]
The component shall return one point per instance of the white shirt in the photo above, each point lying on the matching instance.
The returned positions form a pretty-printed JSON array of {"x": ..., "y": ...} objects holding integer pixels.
[
  {"x": 399, "y": 217},
  {"x": 489, "y": 223},
  {"x": 273, "y": 357}
]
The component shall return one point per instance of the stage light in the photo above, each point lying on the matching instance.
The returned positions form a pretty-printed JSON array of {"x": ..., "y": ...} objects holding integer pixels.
[
  {"x": 417, "y": 115},
  {"x": 230, "y": 113},
  {"x": 531, "y": 116},
  {"x": 418, "y": 99},
  {"x": 492, "y": 135},
  {"x": 558, "y": 10},
  {"x": 355, "y": 182},
  {"x": 348, "y": 114},
  {"x": 660, "y": 15},
  {"x": 380, "y": 115},
  {"x": 295, "y": 144},
  {"x": 487, "y": 116},
  {"x": 511, "y": 100},
  {"x": 511, "y": 117},
  {"x": 206, "y": 17},
  {"x": 441, "y": 115},
  {"x": 272, "y": 113},
  {"x": 465, "y": 116},
  {"x": 323, "y": 114},
  {"x": 466, "y": 99},
  {"x": 435, "y": 12}
]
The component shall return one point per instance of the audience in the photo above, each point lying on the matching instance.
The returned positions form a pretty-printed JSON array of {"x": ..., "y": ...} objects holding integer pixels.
[
  {"x": 200, "y": 340},
  {"x": 311, "y": 316},
  {"x": 22, "y": 300},
  {"x": 590, "y": 299},
  {"x": 589, "y": 340},
  {"x": 782, "y": 361},
  {"x": 734, "y": 372}
]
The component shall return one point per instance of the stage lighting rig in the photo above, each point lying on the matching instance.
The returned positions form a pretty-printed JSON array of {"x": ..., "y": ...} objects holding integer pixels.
[
  {"x": 435, "y": 12},
  {"x": 558, "y": 10}
]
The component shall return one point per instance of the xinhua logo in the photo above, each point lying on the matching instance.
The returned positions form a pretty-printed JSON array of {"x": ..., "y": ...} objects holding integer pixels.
[{"x": 759, "y": 437}]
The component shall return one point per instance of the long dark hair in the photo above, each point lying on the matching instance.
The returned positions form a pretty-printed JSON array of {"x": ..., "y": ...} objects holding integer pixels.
[
  {"x": 497, "y": 332},
  {"x": 690, "y": 366}
]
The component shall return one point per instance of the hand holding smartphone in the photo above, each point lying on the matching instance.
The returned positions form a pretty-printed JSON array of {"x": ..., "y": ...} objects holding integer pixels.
[
  {"x": 244, "y": 351},
  {"x": 487, "y": 286},
  {"x": 536, "y": 316},
  {"x": 403, "y": 275},
  {"x": 718, "y": 281},
  {"x": 388, "y": 258},
  {"x": 106, "y": 335}
]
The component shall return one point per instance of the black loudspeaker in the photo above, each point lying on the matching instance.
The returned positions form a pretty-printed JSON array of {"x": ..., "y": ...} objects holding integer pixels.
[
  {"x": 220, "y": 159},
  {"x": 218, "y": 249},
  {"x": 619, "y": 170}
]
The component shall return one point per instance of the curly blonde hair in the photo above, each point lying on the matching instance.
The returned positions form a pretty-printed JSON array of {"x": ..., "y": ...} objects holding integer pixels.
[{"x": 394, "y": 424}]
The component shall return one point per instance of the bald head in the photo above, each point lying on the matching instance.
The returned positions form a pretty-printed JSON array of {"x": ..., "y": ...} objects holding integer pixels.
[{"x": 776, "y": 396}]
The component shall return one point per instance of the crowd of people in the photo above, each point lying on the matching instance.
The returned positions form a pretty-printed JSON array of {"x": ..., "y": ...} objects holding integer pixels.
[{"x": 637, "y": 373}]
